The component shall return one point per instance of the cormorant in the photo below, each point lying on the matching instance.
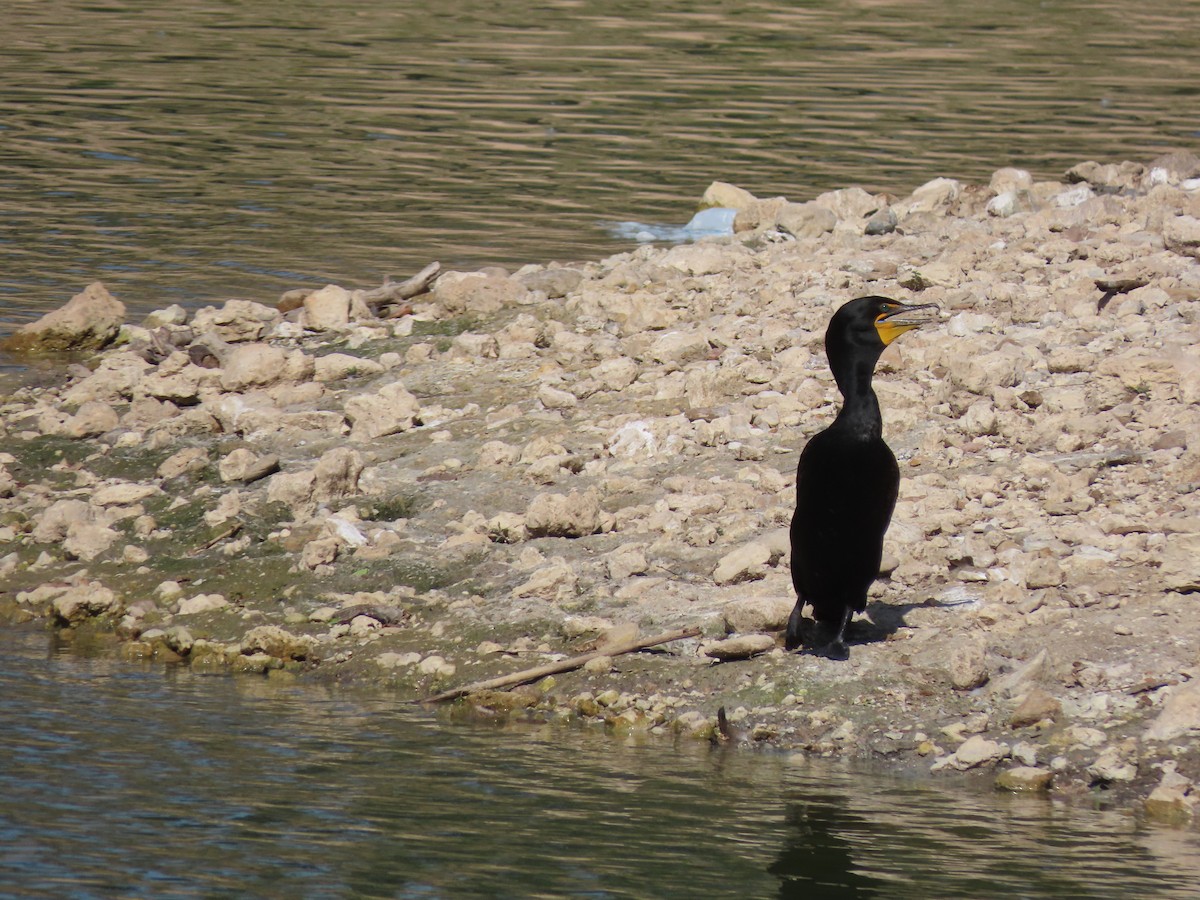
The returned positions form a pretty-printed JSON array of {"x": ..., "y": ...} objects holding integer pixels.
[{"x": 847, "y": 478}]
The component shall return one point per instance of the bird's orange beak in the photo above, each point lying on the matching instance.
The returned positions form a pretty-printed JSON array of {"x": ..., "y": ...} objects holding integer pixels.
[{"x": 891, "y": 325}]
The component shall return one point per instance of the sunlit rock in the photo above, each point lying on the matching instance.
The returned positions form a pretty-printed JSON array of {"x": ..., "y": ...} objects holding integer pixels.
[{"x": 89, "y": 321}]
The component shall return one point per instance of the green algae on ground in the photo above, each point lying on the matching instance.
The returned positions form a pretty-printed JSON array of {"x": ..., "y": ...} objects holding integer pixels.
[
  {"x": 393, "y": 508},
  {"x": 49, "y": 459},
  {"x": 446, "y": 328}
]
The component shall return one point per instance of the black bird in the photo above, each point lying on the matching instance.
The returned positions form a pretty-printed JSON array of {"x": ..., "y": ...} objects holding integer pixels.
[{"x": 847, "y": 479}]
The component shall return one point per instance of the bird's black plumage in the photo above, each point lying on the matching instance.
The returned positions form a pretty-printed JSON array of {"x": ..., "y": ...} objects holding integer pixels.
[{"x": 847, "y": 479}]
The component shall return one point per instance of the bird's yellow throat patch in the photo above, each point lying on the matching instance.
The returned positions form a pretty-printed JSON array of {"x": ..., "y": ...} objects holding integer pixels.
[{"x": 889, "y": 331}]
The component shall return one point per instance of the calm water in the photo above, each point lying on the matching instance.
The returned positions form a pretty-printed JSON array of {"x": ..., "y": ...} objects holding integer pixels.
[
  {"x": 116, "y": 782},
  {"x": 198, "y": 150}
]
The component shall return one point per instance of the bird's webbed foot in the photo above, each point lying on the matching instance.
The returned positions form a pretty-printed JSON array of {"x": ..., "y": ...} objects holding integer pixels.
[
  {"x": 835, "y": 649},
  {"x": 799, "y": 630}
]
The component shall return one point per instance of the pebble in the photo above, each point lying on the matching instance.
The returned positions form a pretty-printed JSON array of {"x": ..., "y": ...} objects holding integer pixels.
[
  {"x": 1036, "y": 706},
  {"x": 974, "y": 752},
  {"x": 1024, "y": 779},
  {"x": 200, "y": 603},
  {"x": 741, "y": 646},
  {"x": 742, "y": 564},
  {"x": 754, "y": 614},
  {"x": 1180, "y": 714},
  {"x": 968, "y": 664}
]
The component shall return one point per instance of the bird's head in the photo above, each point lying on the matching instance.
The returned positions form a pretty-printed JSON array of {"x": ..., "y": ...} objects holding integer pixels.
[{"x": 874, "y": 322}]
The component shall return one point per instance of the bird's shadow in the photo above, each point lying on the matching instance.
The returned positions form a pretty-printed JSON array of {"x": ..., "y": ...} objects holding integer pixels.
[{"x": 883, "y": 620}]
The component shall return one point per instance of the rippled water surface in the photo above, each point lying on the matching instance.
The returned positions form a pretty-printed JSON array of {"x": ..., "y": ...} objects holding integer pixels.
[
  {"x": 197, "y": 150},
  {"x": 117, "y": 782}
]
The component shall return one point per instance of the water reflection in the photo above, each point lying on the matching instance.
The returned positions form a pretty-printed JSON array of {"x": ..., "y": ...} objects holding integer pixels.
[
  {"x": 198, "y": 150},
  {"x": 885, "y": 838},
  {"x": 157, "y": 783}
]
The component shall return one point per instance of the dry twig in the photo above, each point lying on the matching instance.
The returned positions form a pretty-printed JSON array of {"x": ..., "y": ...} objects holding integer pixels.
[{"x": 563, "y": 665}]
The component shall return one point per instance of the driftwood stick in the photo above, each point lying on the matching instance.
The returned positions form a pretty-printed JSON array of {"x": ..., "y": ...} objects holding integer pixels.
[
  {"x": 388, "y": 292},
  {"x": 208, "y": 545},
  {"x": 403, "y": 290},
  {"x": 563, "y": 665}
]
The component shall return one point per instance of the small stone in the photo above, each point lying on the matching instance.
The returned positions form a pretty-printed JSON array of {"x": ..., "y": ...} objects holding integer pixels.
[
  {"x": 1025, "y": 779},
  {"x": 201, "y": 603},
  {"x": 436, "y": 666},
  {"x": 724, "y": 194},
  {"x": 599, "y": 665},
  {"x": 680, "y": 347},
  {"x": 1180, "y": 714},
  {"x": 968, "y": 664},
  {"x": 246, "y": 466},
  {"x": 336, "y": 366},
  {"x": 1004, "y": 204},
  {"x": 89, "y": 321},
  {"x": 882, "y": 222},
  {"x": 235, "y": 320},
  {"x": 626, "y": 562},
  {"x": 617, "y": 635},
  {"x": 481, "y": 292},
  {"x": 554, "y": 282},
  {"x": 1036, "y": 706},
  {"x": 1025, "y": 753},
  {"x": 806, "y": 220},
  {"x": 83, "y": 602},
  {"x": 208, "y": 656},
  {"x": 1111, "y": 766},
  {"x": 252, "y": 365},
  {"x": 389, "y": 410},
  {"x": 1082, "y": 736},
  {"x": 741, "y": 646},
  {"x": 556, "y": 580},
  {"x": 169, "y": 590},
  {"x": 564, "y": 515},
  {"x": 554, "y": 398},
  {"x": 88, "y": 540},
  {"x": 1044, "y": 572},
  {"x": 58, "y": 518},
  {"x": 134, "y": 556},
  {"x": 183, "y": 462},
  {"x": 122, "y": 494},
  {"x": 1170, "y": 804},
  {"x": 609, "y": 698},
  {"x": 93, "y": 418},
  {"x": 1180, "y": 570},
  {"x": 320, "y": 552},
  {"x": 758, "y": 614},
  {"x": 507, "y": 528},
  {"x": 1021, "y": 679},
  {"x": 975, "y": 751},
  {"x": 179, "y": 639},
  {"x": 1182, "y": 235},
  {"x": 278, "y": 643},
  {"x": 935, "y": 195},
  {"x": 328, "y": 308},
  {"x": 743, "y": 564}
]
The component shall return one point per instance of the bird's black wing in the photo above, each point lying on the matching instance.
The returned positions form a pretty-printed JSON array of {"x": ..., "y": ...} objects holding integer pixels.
[{"x": 845, "y": 493}]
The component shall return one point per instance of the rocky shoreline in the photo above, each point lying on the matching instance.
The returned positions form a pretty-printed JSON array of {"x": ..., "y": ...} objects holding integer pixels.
[{"x": 488, "y": 471}]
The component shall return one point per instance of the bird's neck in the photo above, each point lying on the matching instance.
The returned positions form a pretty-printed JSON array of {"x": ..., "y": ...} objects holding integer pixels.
[{"x": 859, "y": 415}]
